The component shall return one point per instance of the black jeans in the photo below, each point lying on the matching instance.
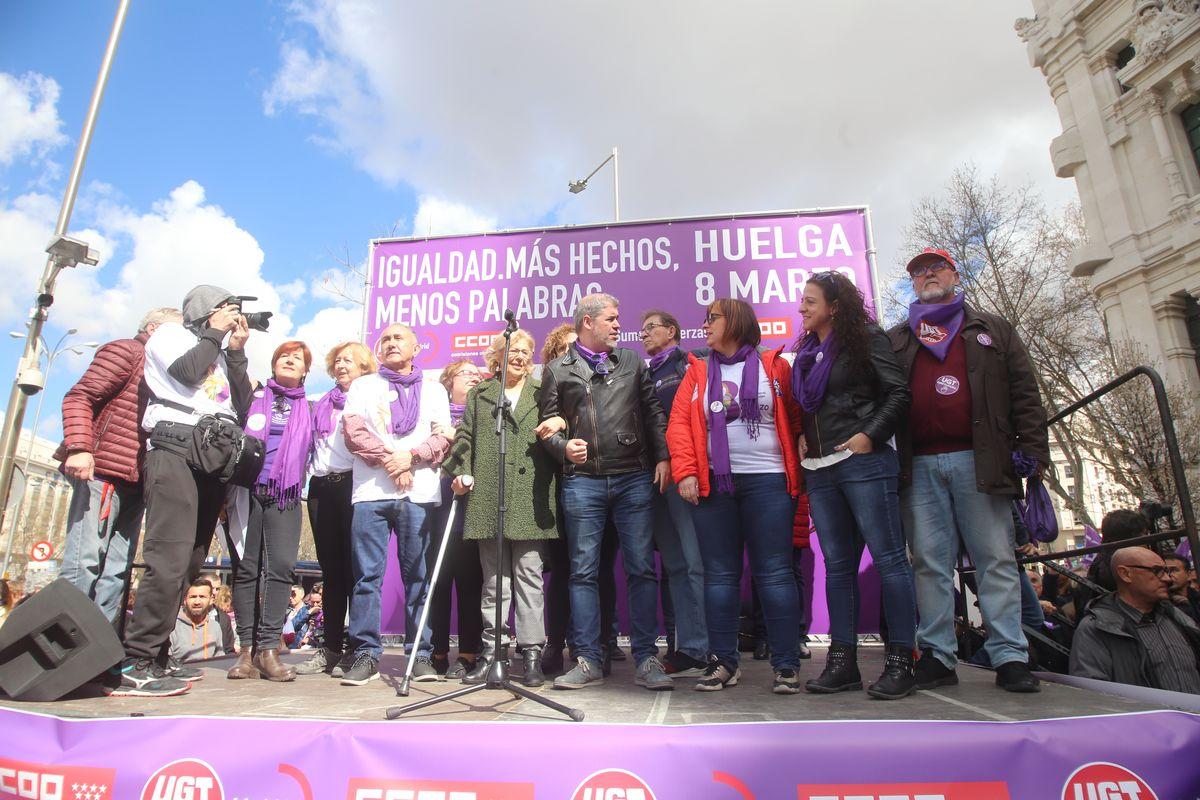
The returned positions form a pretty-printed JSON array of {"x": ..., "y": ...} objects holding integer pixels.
[
  {"x": 461, "y": 575},
  {"x": 181, "y": 515},
  {"x": 262, "y": 579},
  {"x": 329, "y": 514}
]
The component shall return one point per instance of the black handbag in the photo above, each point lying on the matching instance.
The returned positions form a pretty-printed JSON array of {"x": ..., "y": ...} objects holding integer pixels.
[{"x": 222, "y": 449}]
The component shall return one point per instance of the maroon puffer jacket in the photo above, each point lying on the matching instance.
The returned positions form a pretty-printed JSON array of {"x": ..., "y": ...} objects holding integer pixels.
[{"x": 102, "y": 413}]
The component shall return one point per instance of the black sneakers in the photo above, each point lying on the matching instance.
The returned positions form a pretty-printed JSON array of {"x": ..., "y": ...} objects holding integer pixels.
[
  {"x": 1014, "y": 676},
  {"x": 931, "y": 673},
  {"x": 177, "y": 669},
  {"x": 717, "y": 676},
  {"x": 787, "y": 681},
  {"x": 365, "y": 669},
  {"x": 141, "y": 677}
]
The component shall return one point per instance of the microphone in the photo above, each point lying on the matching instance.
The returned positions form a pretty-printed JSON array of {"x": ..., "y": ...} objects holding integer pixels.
[{"x": 511, "y": 319}]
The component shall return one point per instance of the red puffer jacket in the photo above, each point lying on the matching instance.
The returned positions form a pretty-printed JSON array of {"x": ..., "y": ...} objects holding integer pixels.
[{"x": 102, "y": 413}]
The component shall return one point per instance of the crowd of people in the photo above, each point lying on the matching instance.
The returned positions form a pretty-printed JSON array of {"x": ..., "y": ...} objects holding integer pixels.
[{"x": 901, "y": 442}]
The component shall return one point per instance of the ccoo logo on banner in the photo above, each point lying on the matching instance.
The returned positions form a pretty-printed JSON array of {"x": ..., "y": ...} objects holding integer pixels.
[
  {"x": 1103, "y": 781},
  {"x": 186, "y": 779},
  {"x": 406, "y": 789},
  {"x": 27, "y": 781},
  {"x": 974, "y": 790}
]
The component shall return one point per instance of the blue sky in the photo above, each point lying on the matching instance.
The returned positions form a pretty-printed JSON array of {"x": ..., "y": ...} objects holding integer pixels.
[{"x": 248, "y": 143}]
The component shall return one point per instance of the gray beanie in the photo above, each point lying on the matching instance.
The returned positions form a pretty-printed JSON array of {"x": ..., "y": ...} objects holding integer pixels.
[{"x": 200, "y": 302}]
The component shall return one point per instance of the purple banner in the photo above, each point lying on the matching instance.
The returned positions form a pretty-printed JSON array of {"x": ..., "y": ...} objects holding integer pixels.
[
  {"x": 453, "y": 290},
  {"x": 1145, "y": 756}
]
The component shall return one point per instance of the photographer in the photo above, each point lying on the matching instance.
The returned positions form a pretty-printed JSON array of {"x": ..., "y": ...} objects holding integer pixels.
[{"x": 191, "y": 380}]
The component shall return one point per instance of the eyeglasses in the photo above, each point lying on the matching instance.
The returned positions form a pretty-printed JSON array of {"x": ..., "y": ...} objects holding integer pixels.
[
  {"x": 518, "y": 351},
  {"x": 1159, "y": 572},
  {"x": 921, "y": 270},
  {"x": 649, "y": 327},
  {"x": 712, "y": 317}
]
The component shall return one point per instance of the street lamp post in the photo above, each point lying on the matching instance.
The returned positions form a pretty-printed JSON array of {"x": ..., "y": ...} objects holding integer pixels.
[{"x": 578, "y": 186}]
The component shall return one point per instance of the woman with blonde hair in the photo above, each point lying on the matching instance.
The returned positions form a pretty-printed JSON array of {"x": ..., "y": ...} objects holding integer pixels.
[
  {"x": 329, "y": 508},
  {"x": 529, "y": 489}
]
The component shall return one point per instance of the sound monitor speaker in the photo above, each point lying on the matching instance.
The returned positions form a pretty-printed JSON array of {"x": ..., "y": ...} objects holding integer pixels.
[{"x": 55, "y": 642}]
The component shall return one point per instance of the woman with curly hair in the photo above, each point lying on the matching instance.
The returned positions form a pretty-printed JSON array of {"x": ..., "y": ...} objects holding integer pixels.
[{"x": 854, "y": 394}]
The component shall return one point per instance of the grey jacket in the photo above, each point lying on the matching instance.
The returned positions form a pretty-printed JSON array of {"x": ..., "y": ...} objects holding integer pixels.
[
  {"x": 191, "y": 642},
  {"x": 1106, "y": 646}
]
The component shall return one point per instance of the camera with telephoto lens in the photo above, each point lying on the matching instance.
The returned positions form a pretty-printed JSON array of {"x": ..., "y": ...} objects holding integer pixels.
[{"x": 258, "y": 320}]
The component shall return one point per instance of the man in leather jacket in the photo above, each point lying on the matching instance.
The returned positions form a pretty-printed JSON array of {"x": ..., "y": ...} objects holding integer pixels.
[
  {"x": 975, "y": 402},
  {"x": 614, "y": 456}
]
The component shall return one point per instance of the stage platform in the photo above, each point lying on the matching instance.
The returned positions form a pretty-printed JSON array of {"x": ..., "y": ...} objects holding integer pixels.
[{"x": 316, "y": 739}]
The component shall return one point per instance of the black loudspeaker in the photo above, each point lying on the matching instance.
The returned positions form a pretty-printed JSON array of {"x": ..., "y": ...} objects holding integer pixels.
[{"x": 55, "y": 642}]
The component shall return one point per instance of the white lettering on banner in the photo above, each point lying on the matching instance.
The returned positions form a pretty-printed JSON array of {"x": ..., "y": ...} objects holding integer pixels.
[
  {"x": 1108, "y": 790},
  {"x": 539, "y": 301},
  {"x": 613, "y": 793},
  {"x": 30, "y": 784},
  {"x": 528, "y": 263},
  {"x": 411, "y": 794},
  {"x": 621, "y": 255},
  {"x": 426, "y": 269},
  {"x": 768, "y": 244},
  {"x": 770, "y": 285},
  {"x": 182, "y": 787}
]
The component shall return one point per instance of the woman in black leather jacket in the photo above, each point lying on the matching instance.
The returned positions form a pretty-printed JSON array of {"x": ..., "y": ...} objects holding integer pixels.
[{"x": 854, "y": 394}]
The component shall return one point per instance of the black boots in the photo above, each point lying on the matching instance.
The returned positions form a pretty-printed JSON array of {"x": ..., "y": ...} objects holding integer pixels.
[
  {"x": 898, "y": 679},
  {"x": 533, "y": 667},
  {"x": 840, "y": 673},
  {"x": 478, "y": 673}
]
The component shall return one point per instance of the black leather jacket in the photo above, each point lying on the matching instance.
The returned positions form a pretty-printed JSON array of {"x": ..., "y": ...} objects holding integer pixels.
[
  {"x": 872, "y": 401},
  {"x": 618, "y": 415}
]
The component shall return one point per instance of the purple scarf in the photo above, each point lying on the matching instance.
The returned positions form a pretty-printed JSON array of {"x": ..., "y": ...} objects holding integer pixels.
[
  {"x": 1037, "y": 512},
  {"x": 936, "y": 324},
  {"x": 597, "y": 361},
  {"x": 658, "y": 359},
  {"x": 457, "y": 412},
  {"x": 814, "y": 363},
  {"x": 407, "y": 405},
  {"x": 291, "y": 459},
  {"x": 334, "y": 400},
  {"x": 747, "y": 409}
]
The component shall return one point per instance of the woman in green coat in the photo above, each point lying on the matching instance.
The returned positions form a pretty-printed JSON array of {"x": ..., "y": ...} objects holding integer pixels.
[{"x": 529, "y": 490}]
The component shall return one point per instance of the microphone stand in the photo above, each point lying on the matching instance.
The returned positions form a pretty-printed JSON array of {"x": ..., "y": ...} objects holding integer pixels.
[{"x": 497, "y": 676}]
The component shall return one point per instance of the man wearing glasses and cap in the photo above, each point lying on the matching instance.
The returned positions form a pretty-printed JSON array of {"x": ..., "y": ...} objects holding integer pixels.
[
  {"x": 975, "y": 403},
  {"x": 189, "y": 375}
]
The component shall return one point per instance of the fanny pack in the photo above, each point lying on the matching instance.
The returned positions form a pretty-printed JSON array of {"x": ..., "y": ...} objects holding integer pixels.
[{"x": 215, "y": 445}]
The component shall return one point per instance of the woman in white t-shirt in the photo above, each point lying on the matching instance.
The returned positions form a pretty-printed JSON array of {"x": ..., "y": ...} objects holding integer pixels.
[{"x": 732, "y": 436}]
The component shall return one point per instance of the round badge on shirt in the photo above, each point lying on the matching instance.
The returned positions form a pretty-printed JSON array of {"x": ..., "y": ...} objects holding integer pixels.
[
  {"x": 256, "y": 422},
  {"x": 984, "y": 340},
  {"x": 393, "y": 396},
  {"x": 820, "y": 357},
  {"x": 716, "y": 406},
  {"x": 947, "y": 385}
]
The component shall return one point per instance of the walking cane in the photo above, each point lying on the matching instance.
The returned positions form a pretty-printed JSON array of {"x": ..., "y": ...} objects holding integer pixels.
[{"x": 430, "y": 584}]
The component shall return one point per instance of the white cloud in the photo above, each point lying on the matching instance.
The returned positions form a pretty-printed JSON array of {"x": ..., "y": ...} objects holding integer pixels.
[
  {"x": 438, "y": 217},
  {"x": 328, "y": 327},
  {"x": 714, "y": 108},
  {"x": 29, "y": 110}
]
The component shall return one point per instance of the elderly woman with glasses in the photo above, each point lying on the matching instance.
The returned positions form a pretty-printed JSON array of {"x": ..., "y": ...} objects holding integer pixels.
[
  {"x": 529, "y": 497},
  {"x": 732, "y": 434}
]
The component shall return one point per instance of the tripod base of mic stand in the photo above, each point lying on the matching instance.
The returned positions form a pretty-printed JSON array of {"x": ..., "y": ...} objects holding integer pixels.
[{"x": 497, "y": 678}]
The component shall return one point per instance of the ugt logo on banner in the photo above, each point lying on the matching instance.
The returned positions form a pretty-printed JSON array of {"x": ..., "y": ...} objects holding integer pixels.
[
  {"x": 1103, "y": 781},
  {"x": 186, "y": 779},
  {"x": 613, "y": 784}
]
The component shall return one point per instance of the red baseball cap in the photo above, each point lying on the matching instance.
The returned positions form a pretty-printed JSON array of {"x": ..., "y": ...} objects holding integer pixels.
[{"x": 931, "y": 254}]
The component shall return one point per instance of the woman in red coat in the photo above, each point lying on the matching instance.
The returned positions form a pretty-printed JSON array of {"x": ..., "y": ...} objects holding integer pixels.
[{"x": 732, "y": 435}]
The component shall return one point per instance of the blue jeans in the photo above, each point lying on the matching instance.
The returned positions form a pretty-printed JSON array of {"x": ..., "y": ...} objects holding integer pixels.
[
  {"x": 855, "y": 501},
  {"x": 675, "y": 537},
  {"x": 943, "y": 504},
  {"x": 99, "y": 552},
  {"x": 587, "y": 503},
  {"x": 372, "y": 527},
  {"x": 757, "y": 518}
]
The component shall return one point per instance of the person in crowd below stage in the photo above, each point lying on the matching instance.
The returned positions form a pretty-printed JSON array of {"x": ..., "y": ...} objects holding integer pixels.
[
  {"x": 461, "y": 577},
  {"x": 1183, "y": 596},
  {"x": 263, "y": 593},
  {"x": 189, "y": 375},
  {"x": 975, "y": 407},
  {"x": 102, "y": 454},
  {"x": 614, "y": 455},
  {"x": 732, "y": 437},
  {"x": 674, "y": 532},
  {"x": 308, "y": 624},
  {"x": 1136, "y": 635},
  {"x": 199, "y": 633},
  {"x": 389, "y": 427},
  {"x": 529, "y": 490},
  {"x": 853, "y": 395},
  {"x": 7, "y": 600},
  {"x": 329, "y": 508},
  {"x": 223, "y": 602},
  {"x": 1119, "y": 525}
]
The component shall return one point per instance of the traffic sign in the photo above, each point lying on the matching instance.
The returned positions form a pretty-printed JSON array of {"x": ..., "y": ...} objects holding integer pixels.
[{"x": 41, "y": 551}]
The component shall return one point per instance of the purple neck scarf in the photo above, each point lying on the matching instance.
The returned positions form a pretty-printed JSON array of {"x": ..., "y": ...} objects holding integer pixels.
[
  {"x": 719, "y": 414},
  {"x": 407, "y": 405},
  {"x": 334, "y": 400},
  {"x": 936, "y": 324},
  {"x": 597, "y": 361},
  {"x": 287, "y": 470},
  {"x": 457, "y": 411},
  {"x": 658, "y": 359},
  {"x": 810, "y": 377}
]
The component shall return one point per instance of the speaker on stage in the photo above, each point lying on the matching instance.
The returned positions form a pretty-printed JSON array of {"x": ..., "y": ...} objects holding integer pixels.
[{"x": 55, "y": 642}]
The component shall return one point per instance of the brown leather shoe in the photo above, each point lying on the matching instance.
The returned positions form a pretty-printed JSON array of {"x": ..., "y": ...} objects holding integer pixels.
[
  {"x": 272, "y": 668},
  {"x": 244, "y": 668}
]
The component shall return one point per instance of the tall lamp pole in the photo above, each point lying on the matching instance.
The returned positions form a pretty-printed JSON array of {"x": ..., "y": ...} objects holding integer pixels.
[
  {"x": 64, "y": 252},
  {"x": 578, "y": 186}
]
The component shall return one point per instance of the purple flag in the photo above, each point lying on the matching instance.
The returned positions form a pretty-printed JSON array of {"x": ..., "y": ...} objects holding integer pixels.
[{"x": 1091, "y": 538}]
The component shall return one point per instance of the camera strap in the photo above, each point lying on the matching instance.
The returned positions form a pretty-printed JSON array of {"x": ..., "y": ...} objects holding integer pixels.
[{"x": 189, "y": 410}]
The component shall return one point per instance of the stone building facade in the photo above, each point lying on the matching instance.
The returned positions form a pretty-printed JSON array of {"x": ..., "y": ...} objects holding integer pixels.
[{"x": 1125, "y": 77}]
